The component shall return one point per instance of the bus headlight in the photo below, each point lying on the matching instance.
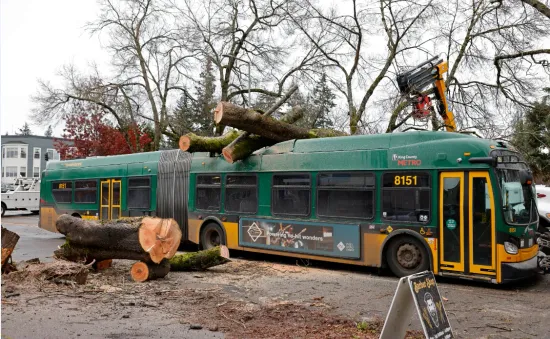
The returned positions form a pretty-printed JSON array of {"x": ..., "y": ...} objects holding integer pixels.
[{"x": 510, "y": 247}]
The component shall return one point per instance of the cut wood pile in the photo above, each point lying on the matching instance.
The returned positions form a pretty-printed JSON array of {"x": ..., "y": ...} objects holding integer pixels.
[
  {"x": 152, "y": 241},
  {"x": 257, "y": 130}
]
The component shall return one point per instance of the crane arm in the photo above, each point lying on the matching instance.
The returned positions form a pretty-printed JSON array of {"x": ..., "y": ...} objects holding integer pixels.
[{"x": 430, "y": 72}]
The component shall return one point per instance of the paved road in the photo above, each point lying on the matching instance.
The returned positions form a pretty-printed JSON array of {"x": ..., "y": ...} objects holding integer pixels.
[{"x": 34, "y": 242}]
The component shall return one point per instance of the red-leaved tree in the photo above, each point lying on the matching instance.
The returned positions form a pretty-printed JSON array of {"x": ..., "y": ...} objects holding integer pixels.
[{"x": 92, "y": 135}]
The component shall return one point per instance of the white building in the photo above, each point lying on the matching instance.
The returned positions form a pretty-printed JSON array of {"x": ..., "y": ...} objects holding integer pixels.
[{"x": 24, "y": 156}]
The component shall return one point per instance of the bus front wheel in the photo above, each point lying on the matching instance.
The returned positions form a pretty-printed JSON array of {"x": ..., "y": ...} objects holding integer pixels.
[
  {"x": 211, "y": 236},
  {"x": 406, "y": 255}
]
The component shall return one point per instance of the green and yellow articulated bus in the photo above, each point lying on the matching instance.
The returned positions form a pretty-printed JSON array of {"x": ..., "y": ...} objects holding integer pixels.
[{"x": 456, "y": 204}]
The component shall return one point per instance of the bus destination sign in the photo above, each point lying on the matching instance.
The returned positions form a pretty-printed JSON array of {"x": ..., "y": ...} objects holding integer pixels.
[{"x": 332, "y": 240}]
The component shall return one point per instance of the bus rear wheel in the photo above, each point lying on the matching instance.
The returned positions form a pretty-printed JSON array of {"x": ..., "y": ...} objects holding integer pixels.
[
  {"x": 407, "y": 255},
  {"x": 212, "y": 236}
]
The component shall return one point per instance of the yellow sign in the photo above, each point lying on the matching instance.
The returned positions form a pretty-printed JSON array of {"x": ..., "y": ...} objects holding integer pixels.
[
  {"x": 389, "y": 229},
  {"x": 73, "y": 164}
]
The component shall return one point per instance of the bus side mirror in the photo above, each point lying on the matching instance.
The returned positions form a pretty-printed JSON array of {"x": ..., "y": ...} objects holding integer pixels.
[{"x": 525, "y": 177}]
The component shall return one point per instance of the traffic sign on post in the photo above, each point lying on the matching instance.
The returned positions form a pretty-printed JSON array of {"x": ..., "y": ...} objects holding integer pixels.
[{"x": 421, "y": 291}]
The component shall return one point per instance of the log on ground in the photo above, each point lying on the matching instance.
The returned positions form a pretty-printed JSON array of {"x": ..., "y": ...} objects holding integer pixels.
[
  {"x": 160, "y": 238},
  {"x": 200, "y": 261},
  {"x": 88, "y": 254},
  {"x": 143, "y": 271}
]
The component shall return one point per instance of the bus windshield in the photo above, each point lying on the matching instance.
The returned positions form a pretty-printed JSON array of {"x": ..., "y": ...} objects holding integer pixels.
[{"x": 518, "y": 202}]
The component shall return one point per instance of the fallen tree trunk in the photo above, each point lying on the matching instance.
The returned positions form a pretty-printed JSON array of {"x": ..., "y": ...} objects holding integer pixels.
[
  {"x": 195, "y": 143},
  {"x": 199, "y": 261},
  {"x": 88, "y": 254},
  {"x": 248, "y": 120},
  {"x": 9, "y": 240},
  {"x": 159, "y": 238},
  {"x": 143, "y": 271}
]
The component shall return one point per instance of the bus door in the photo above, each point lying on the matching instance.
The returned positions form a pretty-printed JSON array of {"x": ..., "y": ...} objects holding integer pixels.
[
  {"x": 110, "y": 199},
  {"x": 467, "y": 223}
]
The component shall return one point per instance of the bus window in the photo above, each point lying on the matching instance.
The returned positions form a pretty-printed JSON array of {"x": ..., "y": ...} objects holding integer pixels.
[
  {"x": 241, "y": 193},
  {"x": 62, "y": 192},
  {"x": 85, "y": 191},
  {"x": 208, "y": 192},
  {"x": 139, "y": 193},
  {"x": 347, "y": 195},
  {"x": 290, "y": 194},
  {"x": 406, "y": 197}
]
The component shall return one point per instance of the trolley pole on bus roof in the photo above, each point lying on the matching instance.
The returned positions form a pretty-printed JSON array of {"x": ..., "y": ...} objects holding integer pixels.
[{"x": 248, "y": 64}]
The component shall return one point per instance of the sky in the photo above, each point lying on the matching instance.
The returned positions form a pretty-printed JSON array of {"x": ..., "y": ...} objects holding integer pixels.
[{"x": 37, "y": 37}]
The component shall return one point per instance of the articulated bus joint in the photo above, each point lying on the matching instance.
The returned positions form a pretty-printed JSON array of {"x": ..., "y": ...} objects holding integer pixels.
[{"x": 405, "y": 232}]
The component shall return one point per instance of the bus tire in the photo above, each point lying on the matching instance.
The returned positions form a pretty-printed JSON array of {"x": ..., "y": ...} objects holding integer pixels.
[
  {"x": 211, "y": 236},
  {"x": 4, "y": 208},
  {"x": 406, "y": 255}
]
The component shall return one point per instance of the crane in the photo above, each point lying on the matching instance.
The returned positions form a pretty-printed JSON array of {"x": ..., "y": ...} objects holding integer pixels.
[{"x": 413, "y": 82}]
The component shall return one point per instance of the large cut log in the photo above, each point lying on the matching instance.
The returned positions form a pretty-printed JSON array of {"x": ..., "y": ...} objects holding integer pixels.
[
  {"x": 160, "y": 238},
  {"x": 143, "y": 271},
  {"x": 195, "y": 143},
  {"x": 199, "y": 261},
  {"x": 87, "y": 254},
  {"x": 9, "y": 240},
  {"x": 253, "y": 122}
]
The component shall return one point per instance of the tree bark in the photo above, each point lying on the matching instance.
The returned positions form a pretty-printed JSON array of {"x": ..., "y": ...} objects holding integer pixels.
[
  {"x": 194, "y": 143},
  {"x": 159, "y": 238},
  {"x": 143, "y": 271},
  {"x": 9, "y": 240},
  {"x": 200, "y": 261},
  {"x": 87, "y": 254}
]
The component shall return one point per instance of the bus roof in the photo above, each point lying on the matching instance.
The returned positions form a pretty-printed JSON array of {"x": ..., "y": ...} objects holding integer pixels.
[
  {"x": 407, "y": 150},
  {"x": 104, "y": 161}
]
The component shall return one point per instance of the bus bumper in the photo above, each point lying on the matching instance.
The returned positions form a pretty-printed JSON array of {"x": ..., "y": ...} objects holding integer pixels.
[{"x": 518, "y": 270}]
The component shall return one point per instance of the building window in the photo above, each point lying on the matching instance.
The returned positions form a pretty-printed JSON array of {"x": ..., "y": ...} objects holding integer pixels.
[
  {"x": 3, "y": 171},
  {"x": 139, "y": 193},
  {"x": 49, "y": 151},
  {"x": 3, "y": 152},
  {"x": 406, "y": 197},
  {"x": 36, "y": 172},
  {"x": 62, "y": 192},
  {"x": 37, "y": 153},
  {"x": 85, "y": 191},
  {"x": 11, "y": 171},
  {"x": 208, "y": 192},
  {"x": 241, "y": 193},
  {"x": 12, "y": 152},
  {"x": 23, "y": 171},
  {"x": 291, "y": 194},
  {"x": 346, "y": 195},
  {"x": 23, "y": 152}
]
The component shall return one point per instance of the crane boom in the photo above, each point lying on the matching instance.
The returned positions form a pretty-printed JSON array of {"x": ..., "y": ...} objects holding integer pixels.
[{"x": 413, "y": 82}]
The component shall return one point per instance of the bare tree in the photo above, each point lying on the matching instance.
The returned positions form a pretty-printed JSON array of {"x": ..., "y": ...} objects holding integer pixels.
[
  {"x": 249, "y": 43},
  {"x": 486, "y": 93},
  {"x": 343, "y": 40},
  {"x": 149, "y": 61}
]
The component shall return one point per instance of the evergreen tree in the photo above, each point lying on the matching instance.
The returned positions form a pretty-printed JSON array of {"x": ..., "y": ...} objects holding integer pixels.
[
  {"x": 322, "y": 100},
  {"x": 25, "y": 130},
  {"x": 531, "y": 137},
  {"x": 195, "y": 115},
  {"x": 49, "y": 131}
]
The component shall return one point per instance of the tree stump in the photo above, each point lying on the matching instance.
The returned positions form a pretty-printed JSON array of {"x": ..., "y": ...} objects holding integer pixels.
[{"x": 9, "y": 240}]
